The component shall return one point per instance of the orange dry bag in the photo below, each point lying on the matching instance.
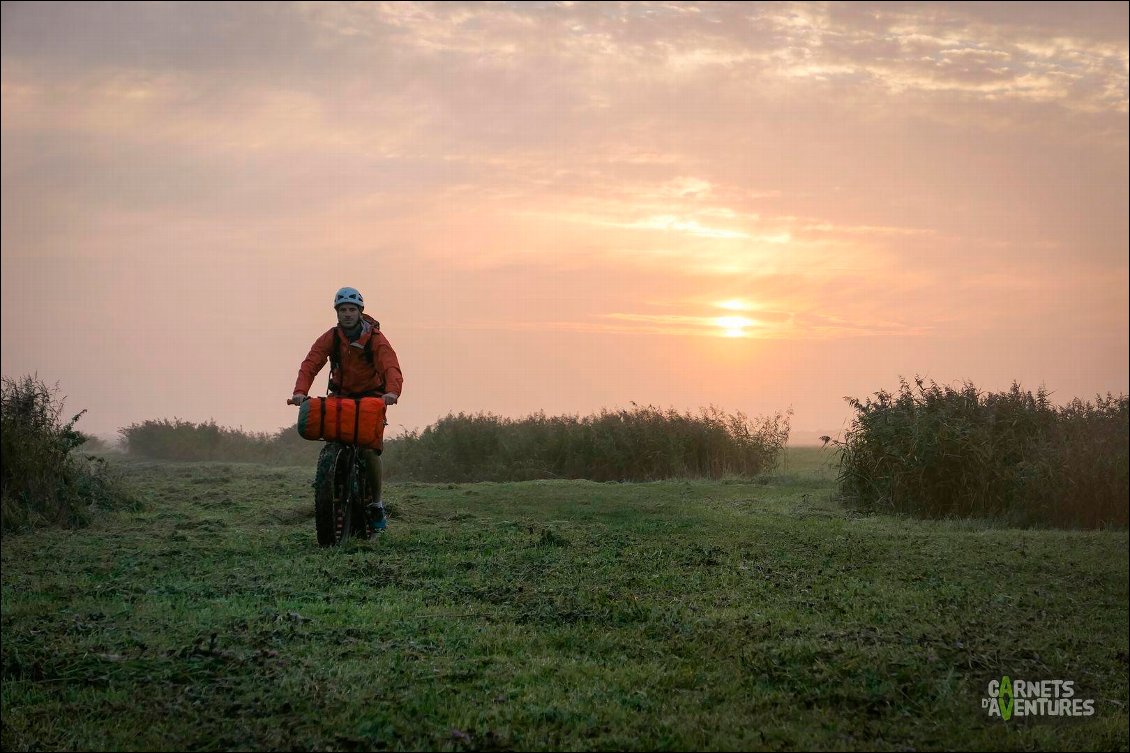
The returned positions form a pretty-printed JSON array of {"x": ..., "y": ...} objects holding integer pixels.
[{"x": 359, "y": 421}]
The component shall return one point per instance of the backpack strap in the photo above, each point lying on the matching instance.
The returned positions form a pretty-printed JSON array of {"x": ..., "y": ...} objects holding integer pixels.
[
  {"x": 370, "y": 358},
  {"x": 376, "y": 330},
  {"x": 335, "y": 363},
  {"x": 367, "y": 353}
]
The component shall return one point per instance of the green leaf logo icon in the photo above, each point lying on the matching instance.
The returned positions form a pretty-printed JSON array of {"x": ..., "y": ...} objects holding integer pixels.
[{"x": 1006, "y": 691}]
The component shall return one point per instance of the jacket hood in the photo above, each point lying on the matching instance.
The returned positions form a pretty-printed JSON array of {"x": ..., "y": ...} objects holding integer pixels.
[
  {"x": 370, "y": 328},
  {"x": 368, "y": 324}
]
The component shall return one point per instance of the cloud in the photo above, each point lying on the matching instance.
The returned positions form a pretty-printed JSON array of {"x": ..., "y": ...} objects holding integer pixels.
[{"x": 834, "y": 142}]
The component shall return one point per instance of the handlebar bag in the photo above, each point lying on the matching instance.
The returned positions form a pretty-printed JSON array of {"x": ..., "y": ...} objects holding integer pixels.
[{"x": 359, "y": 421}]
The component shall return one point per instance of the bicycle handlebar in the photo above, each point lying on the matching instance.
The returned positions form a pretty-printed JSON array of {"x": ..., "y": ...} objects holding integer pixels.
[{"x": 307, "y": 397}]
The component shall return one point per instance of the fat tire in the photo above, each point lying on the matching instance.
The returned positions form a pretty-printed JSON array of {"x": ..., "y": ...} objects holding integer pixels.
[{"x": 329, "y": 495}]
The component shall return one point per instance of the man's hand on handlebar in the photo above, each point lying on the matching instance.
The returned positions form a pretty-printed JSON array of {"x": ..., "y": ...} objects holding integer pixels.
[
  {"x": 390, "y": 398},
  {"x": 297, "y": 399}
]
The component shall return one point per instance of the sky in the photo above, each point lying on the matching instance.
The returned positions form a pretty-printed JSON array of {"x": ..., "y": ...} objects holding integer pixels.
[{"x": 563, "y": 207}]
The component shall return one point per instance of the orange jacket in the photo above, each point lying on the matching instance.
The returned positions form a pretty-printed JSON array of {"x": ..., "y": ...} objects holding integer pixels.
[{"x": 357, "y": 375}]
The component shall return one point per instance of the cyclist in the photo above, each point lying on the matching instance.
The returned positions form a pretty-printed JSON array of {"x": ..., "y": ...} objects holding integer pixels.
[{"x": 362, "y": 364}]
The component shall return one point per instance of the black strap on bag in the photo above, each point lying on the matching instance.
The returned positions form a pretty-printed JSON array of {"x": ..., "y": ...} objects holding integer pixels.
[
  {"x": 322, "y": 419},
  {"x": 338, "y": 418},
  {"x": 357, "y": 421}
]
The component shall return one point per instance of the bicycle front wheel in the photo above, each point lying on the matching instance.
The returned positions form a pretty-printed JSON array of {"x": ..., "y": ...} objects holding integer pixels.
[{"x": 332, "y": 517}]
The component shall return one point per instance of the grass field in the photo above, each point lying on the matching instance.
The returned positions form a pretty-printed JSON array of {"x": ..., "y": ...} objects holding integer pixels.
[{"x": 685, "y": 615}]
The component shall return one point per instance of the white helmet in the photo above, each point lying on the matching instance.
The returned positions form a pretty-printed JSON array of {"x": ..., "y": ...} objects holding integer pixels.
[{"x": 349, "y": 295}]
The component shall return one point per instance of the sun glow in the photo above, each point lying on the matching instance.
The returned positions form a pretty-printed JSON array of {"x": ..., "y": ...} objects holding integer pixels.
[{"x": 733, "y": 326}]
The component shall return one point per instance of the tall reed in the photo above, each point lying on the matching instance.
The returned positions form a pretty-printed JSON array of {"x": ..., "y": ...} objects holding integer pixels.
[
  {"x": 162, "y": 439},
  {"x": 939, "y": 451},
  {"x": 640, "y": 443},
  {"x": 44, "y": 480},
  {"x": 637, "y": 444}
]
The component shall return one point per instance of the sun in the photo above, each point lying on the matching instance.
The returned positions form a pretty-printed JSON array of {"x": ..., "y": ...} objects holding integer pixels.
[{"x": 733, "y": 326}]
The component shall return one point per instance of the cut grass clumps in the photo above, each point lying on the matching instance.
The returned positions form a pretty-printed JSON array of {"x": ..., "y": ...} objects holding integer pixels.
[
  {"x": 45, "y": 482},
  {"x": 942, "y": 452}
]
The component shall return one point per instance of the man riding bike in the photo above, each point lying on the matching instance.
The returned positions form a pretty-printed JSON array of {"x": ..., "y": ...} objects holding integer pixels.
[{"x": 362, "y": 364}]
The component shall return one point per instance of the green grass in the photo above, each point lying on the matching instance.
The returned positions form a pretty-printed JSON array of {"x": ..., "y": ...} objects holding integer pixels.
[{"x": 678, "y": 615}]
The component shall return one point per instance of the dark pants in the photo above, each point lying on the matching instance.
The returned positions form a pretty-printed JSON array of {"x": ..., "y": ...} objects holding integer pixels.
[{"x": 373, "y": 471}]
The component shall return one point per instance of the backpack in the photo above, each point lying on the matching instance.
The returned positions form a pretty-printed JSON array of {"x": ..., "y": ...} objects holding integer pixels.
[{"x": 335, "y": 363}]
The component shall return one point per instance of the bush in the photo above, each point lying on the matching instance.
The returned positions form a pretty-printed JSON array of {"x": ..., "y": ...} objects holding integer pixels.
[
  {"x": 640, "y": 444},
  {"x": 938, "y": 452},
  {"x": 92, "y": 443},
  {"x": 44, "y": 480},
  {"x": 184, "y": 440}
]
